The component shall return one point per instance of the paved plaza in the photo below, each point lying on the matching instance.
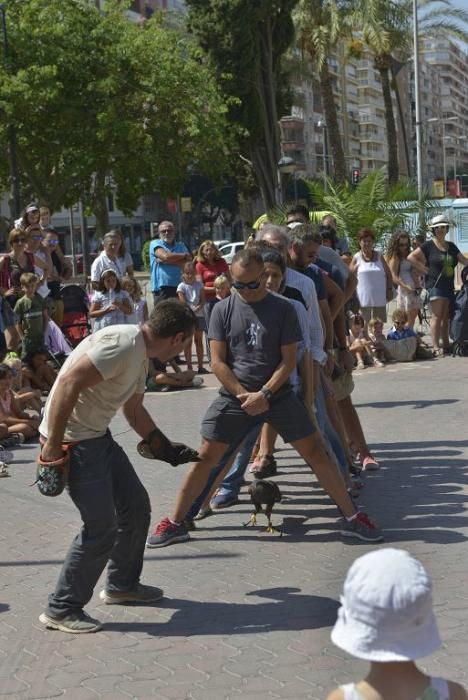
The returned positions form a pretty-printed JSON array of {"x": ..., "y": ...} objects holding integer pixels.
[{"x": 246, "y": 615}]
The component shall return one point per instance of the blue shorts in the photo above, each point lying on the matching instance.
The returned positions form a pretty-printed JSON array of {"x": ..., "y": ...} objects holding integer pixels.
[{"x": 436, "y": 293}]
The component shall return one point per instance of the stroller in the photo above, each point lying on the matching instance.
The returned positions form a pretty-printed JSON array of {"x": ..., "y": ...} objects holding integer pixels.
[
  {"x": 459, "y": 324},
  {"x": 75, "y": 326}
]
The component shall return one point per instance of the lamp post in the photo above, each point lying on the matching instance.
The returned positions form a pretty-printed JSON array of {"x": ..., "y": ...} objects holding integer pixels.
[
  {"x": 15, "y": 202},
  {"x": 417, "y": 102},
  {"x": 443, "y": 121},
  {"x": 322, "y": 125},
  {"x": 286, "y": 165}
]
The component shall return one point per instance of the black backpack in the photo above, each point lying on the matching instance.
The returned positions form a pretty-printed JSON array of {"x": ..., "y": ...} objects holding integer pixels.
[{"x": 459, "y": 325}]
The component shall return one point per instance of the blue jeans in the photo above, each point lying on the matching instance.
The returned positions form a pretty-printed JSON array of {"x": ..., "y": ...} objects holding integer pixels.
[
  {"x": 331, "y": 437},
  {"x": 115, "y": 510},
  {"x": 233, "y": 480}
]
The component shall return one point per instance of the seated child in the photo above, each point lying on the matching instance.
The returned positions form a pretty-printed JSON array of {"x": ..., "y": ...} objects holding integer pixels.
[
  {"x": 377, "y": 336},
  {"x": 386, "y": 617},
  {"x": 359, "y": 345},
  {"x": 161, "y": 380},
  {"x": 17, "y": 421},
  {"x": 38, "y": 371},
  {"x": 26, "y": 396},
  {"x": 31, "y": 310},
  {"x": 400, "y": 330}
]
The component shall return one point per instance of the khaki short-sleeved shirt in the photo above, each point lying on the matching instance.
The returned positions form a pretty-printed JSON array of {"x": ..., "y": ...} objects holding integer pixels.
[{"x": 119, "y": 355}]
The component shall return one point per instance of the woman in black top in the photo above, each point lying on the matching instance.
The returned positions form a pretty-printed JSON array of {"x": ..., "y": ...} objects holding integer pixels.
[{"x": 437, "y": 259}]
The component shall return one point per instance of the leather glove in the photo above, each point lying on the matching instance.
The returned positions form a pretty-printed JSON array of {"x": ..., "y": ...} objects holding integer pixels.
[
  {"x": 52, "y": 477},
  {"x": 158, "y": 446}
]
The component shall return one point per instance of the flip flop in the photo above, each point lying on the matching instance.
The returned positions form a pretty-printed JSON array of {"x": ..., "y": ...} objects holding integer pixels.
[{"x": 369, "y": 464}]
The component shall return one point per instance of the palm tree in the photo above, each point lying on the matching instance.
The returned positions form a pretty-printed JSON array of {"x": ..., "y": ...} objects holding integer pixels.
[
  {"x": 385, "y": 30},
  {"x": 319, "y": 26},
  {"x": 372, "y": 203}
]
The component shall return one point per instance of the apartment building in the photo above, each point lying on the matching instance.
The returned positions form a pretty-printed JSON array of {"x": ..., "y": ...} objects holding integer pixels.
[{"x": 448, "y": 64}]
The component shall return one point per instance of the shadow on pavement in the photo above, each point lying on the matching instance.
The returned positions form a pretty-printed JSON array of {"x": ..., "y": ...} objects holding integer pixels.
[
  {"x": 414, "y": 404},
  {"x": 4, "y": 607},
  {"x": 47, "y": 562},
  {"x": 286, "y": 609}
]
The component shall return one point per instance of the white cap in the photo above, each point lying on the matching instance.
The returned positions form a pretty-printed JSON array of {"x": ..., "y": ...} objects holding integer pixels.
[
  {"x": 293, "y": 224},
  {"x": 197, "y": 381},
  {"x": 439, "y": 220},
  {"x": 386, "y": 609}
]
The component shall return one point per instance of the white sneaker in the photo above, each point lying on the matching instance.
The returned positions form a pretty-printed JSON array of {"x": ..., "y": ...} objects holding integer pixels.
[
  {"x": 197, "y": 381},
  {"x": 4, "y": 470}
]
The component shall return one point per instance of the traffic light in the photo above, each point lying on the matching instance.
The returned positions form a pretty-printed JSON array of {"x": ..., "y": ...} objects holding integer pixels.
[{"x": 356, "y": 176}]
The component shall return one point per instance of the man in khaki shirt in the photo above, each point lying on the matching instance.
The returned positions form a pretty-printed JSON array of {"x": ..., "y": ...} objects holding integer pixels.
[{"x": 105, "y": 372}]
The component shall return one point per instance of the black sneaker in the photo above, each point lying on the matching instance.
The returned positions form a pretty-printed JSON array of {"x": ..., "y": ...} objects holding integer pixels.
[
  {"x": 202, "y": 370},
  {"x": 167, "y": 532},
  {"x": 75, "y": 623},
  {"x": 140, "y": 594},
  {"x": 268, "y": 470}
]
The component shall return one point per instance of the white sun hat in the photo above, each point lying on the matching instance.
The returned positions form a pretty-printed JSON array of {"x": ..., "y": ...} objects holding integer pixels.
[
  {"x": 439, "y": 220},
  {"x": 386, "y": 609}
]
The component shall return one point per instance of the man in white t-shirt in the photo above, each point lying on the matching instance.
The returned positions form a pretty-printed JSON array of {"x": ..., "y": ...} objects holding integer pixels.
[{"x": 106, "y": 372}]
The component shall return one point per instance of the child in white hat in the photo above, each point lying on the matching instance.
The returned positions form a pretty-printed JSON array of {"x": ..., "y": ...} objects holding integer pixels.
[{"x": 386, "y": 618}]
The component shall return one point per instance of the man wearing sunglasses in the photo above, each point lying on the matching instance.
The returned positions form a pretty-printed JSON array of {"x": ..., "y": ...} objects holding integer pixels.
[{"x": 253, "y": 338}]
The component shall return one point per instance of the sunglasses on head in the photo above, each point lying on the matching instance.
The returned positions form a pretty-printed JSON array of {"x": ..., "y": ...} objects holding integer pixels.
[{"x": 246, "y": 285}]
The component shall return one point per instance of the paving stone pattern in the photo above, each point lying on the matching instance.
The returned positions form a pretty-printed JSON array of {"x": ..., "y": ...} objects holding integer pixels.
[{"x": 245, "y": 614}]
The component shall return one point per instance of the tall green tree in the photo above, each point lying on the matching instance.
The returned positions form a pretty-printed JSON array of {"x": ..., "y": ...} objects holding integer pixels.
[
  {"x": 100, "y": 103},
  {"x": 320, "y": 25},
  {"x": 384, "y": 29},
  {"x": 246, "y": 42}
]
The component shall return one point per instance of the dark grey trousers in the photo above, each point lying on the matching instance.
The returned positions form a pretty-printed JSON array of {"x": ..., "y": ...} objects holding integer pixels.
[{"x": 115, "y": 510}]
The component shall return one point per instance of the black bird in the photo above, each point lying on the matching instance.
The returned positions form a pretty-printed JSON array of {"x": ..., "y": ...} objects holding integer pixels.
[{"x": 264, "y": 493}]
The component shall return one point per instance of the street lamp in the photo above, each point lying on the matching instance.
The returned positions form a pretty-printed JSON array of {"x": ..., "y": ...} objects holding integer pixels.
[
  {"x": 15, "y": 202},
  {"x": 443, "y": 121},
  {"x": 286, "y": 165},
  {"x": 417, "y": 103},
  {"x": 322, "y": 125}
]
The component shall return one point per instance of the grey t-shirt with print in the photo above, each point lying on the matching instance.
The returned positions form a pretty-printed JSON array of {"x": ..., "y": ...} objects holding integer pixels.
[{"x": 254, "y": 334}]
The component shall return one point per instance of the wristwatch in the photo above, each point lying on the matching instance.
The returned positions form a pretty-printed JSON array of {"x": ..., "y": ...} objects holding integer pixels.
[{"x": 267, "y": 393}]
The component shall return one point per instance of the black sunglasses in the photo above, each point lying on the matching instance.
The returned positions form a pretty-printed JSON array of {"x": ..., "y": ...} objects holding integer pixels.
[{"x": 246, "y": 285}]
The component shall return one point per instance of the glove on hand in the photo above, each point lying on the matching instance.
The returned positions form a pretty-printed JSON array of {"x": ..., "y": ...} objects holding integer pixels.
[{"x": 158, "y": 446}]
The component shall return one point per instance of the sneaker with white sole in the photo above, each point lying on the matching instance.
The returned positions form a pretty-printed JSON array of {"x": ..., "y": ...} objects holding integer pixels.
[
  {"x": 166, "y": 532},
  {"x": 75, "y": 623},
  {"x": 139, "y": 594},
  {"x": 6, "y": 456},
  {"x": 362, "y": 528},
  {"x": 204, "y": 513}
]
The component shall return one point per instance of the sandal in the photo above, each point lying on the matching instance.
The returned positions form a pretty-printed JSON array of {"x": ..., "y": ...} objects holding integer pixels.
[{"x": 369, "y": 464}]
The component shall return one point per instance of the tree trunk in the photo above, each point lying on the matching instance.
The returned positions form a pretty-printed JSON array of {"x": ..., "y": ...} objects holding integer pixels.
[
  {"x": 392, "y": 144},
  {"x": 333, "y": 129},
  {"x": 100, "y": 211}
]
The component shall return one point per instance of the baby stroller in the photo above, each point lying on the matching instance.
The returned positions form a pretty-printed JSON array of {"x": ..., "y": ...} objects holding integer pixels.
[
  {"x": 459, "y": 325},
  {"x": 75, "y": 324}
]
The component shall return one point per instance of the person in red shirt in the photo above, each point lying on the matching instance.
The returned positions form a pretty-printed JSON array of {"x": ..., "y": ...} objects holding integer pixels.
[{"x": 209, "y": 265}]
